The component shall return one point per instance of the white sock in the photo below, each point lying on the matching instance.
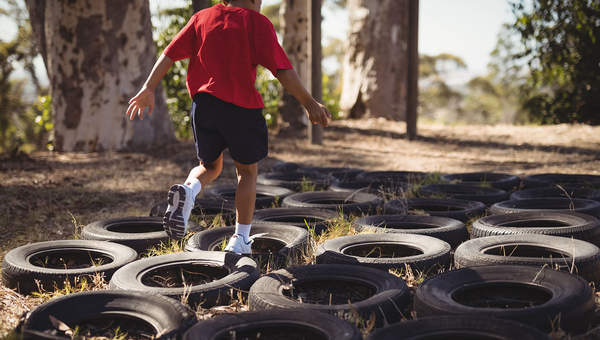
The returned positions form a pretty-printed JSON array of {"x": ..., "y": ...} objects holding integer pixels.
[
  {"x": 194, "y": 184},
  {"x": 243, "y": 229}
]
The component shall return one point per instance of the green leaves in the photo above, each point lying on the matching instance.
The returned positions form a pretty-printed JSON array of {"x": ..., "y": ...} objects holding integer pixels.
[{"x": 561, "y": 40}]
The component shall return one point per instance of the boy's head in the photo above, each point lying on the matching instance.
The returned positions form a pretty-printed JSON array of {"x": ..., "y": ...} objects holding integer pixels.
[{"x": 250, "y": 4}]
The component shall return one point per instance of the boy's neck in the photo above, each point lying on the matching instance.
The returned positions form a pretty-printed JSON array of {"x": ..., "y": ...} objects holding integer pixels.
[{"x": 241, "y": 3}]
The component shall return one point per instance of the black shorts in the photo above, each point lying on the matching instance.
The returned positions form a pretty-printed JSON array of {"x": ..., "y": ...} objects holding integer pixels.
[{"x": 218, "y": 125}]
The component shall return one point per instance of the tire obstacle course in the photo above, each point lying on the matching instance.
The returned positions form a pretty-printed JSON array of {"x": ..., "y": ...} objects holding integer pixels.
[{"x": 526, "y": 270}]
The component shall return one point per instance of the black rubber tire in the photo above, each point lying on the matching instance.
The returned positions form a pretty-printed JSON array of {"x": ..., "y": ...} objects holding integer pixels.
[
  {"x": 551, "y": 292},
  {"x": 266, "y": 195},
  {"x": 397, "y": 182},
  {"x": 241, "y": 273},
  {"x": 461, "y": 210},
  {"x": 574, "y": 256},
  {"x": 316, "y": 218},
  {"x": 130, "y": 231},
  {"x": 19, "y": 273},
  {"x": 293, "y": 239},
  {"x": 206, "y": 209},
  {"x": 447, "y": 229},
  {"x": 356, "y": 203},
  {"x": 567, "y": 224},
  {"x": 391, "y": 176},
  {"x": 362, "y": 186},
  {"x": 545, "y": 180},
  {"x": 464, "y": 192},
  {"x": 336, "y": 174},
  {"x": 169, "y": 318},
  {"x": 457, "y": 327},
  {"x": 294, "y": 180},
  {"x": 556, "y": 204},
  {"x": 388, "y": 301},
  {"x": 274, "y": 324},
  {"x": 434, "y": 253},
  {"x": 566, "y": 192},
  {"x": 285, "y": 167},
  {"x": 506, "y": 182}
]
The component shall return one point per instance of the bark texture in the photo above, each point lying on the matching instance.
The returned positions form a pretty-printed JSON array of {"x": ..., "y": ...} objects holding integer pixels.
[
  {"x": 296, "y": 30},
  {"x": 376, "y": 63},
  {"x": 97, "y": 54}
]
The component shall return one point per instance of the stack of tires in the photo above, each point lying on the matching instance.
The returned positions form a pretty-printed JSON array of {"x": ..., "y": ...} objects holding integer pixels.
[{"x": 469, "y": 256}]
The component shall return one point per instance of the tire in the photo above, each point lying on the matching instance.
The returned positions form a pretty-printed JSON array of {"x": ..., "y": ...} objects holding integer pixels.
[
  {"x": 317, "y": 219},
  {"x": 580, "y": 226},
  {"x": 421, "y": 253},
  {"x": 292, "y": 242},
  {"x": 285, "y": 167},
  {"x": 358, "y": 203},
  {"x": 506, "y": 182},
  {"x": 274, "y": 324},
  {"x": 392, "y": 176},
  {"x": 206, "y": 210},
  {"x": 139, "y": 233},
  {"x": 294, "y": 180},
  {"x": 19, "y": 269},
  {"x": 569, "y": 191},
  {"x": 458, "y": 327},
  {"x": 362, "y": 186},
  {"x": 388, "y": 296},
  {"x": 537, "y": 296},
  {"x": 163, "y": 317},
  {"x": 447, "y": 229},
  {"x": 461, "y": 210},
  {"x": 266, "y": 195},
  {"x": 391, "y": 181},
  {"x": 545, "y": 180},
  {"x": 234, "y": 273},
  {"x": 337, "y": 174},
  {"x": 464, "y": 192},
  {"x": 566, "y": 254},
  {"x": 556, "y": 204}
]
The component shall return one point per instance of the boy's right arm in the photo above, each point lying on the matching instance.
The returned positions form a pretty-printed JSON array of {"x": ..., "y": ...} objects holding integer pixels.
[
  {"x": 145, "y": 97},
  {"x": 317, "y": 112}
]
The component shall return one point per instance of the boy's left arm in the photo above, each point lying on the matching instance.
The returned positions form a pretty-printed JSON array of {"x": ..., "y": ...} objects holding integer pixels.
[{"x": 145, "y": 97}]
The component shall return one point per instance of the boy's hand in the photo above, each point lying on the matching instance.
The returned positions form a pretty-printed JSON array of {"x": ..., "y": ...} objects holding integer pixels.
[
  {"x": 137, "y": 104},
  {"x": 318, "y": 113}
]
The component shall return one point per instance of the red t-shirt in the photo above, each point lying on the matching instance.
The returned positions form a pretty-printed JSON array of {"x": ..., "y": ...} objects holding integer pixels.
[{"x": 225, "y": 44}]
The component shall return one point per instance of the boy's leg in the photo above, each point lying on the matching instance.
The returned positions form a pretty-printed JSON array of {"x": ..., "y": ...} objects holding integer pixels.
[
  {"x": 181, "y": 197},
  {"x": 245, "y": 198}
]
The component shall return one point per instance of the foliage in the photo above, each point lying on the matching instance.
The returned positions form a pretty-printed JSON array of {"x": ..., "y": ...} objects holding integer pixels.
[
  {"x": 434, "y": 92},
  {"x": 178, "y": 99},
  {"x": 20, "y": 130},
  {"x": 560, "y": 41}
]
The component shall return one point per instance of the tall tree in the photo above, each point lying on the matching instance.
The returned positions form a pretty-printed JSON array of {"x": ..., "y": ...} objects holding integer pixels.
[
  {"x": 376, "y": 64},
  {"x": 97, "y": 55},
  {"x": 295, "y": 26},
  {"x": 561, "y": 40}
]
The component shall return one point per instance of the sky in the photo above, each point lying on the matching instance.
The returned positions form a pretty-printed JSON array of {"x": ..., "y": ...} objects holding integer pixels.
[{"x": 465, "y": 28}]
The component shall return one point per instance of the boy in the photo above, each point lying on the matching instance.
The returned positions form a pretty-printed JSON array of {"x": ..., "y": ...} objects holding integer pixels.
[{"x": 225, "y": 43}]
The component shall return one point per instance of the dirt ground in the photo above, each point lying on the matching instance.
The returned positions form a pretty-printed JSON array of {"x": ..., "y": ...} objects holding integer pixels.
[{"x": 48, "y": 195}]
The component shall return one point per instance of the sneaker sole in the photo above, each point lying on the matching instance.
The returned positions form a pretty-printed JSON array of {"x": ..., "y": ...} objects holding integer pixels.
[{"x": 173, "y": 220}]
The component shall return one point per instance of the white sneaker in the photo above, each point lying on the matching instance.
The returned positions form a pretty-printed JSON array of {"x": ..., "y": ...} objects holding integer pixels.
[
  {"x": 181, "y": 203},
  {"x": 237, "y": 244}
]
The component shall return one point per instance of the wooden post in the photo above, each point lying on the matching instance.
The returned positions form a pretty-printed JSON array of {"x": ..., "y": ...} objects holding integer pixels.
[
  {"x": 315, "y": 132},
  {"x": 413, "y": 70}
]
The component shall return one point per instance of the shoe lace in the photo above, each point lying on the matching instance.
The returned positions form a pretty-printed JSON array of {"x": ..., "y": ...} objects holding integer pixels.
[{"x": 251, "y": 238}]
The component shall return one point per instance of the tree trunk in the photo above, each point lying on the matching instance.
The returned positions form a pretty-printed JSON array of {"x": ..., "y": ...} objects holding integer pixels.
[
  {"x": 294, "y": 22},
  {"x": 375, "y": 77},
  {"x": 97, "y": 55}
]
